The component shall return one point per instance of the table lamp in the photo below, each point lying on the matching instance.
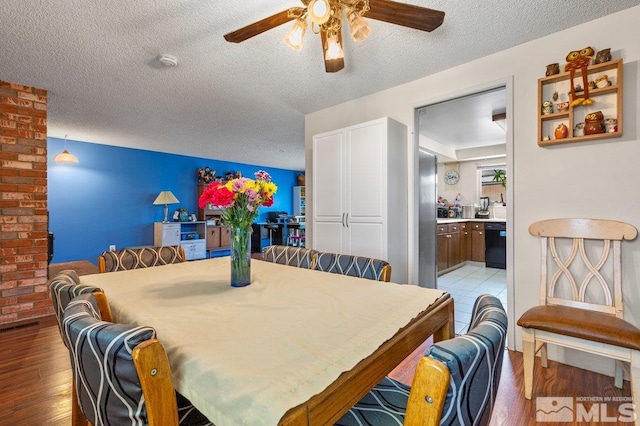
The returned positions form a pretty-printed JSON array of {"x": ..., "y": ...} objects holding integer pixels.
[{"x": 166, "y": 198}]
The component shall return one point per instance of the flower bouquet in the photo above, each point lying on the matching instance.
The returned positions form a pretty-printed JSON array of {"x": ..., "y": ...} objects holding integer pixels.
[{"x": 239, "y": 200}]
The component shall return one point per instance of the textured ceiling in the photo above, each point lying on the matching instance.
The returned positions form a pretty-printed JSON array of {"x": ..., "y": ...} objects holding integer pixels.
[{"x": 98, "y": 61}]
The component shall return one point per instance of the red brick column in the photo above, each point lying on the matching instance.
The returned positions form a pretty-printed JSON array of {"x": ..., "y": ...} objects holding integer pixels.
[{"x": 23, "y": 203}]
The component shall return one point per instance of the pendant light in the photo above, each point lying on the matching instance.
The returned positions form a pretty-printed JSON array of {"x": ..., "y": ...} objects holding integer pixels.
[{"x": 65, "y": 156}]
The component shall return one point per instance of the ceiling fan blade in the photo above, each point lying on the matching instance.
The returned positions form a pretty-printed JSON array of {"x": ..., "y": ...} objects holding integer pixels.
[
  {"x": 331, "y": 65},
  {"x": 407, "y": 15},
  {"x": 263, "y": 25}
]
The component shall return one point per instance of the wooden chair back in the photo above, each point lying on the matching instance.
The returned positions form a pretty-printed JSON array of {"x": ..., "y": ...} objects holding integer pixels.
[{"x": 577, "y": 267}]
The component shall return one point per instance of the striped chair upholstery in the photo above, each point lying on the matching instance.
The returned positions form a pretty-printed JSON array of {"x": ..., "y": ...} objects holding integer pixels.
[
  {"x": 143, "y": 257},
  {"x": 63, "y": 288},
  {"x": 293, "y": 256},
  {"x": 355, "y": 266},
  {"x": 474, "y": 361},
  {"x": 109, "y": 388}
]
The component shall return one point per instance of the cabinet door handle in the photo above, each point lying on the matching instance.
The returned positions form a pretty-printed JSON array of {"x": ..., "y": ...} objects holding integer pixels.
[
  {"x": 480, "y": 232},
  {"x": 343, "y": 220},
  {"x": 449, "y": 236}
]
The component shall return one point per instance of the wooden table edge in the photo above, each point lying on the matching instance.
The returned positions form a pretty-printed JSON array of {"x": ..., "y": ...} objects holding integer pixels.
[{"x": 328, "y": 406}]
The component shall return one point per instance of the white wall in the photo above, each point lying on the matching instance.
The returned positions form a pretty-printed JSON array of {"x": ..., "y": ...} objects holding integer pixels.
[{"x": 593, "y": 179}]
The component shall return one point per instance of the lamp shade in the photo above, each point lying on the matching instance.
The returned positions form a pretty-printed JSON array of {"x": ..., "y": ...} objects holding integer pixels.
[
  {"x": 66, "y": 157},
  {"x": 166, "y": 197}
]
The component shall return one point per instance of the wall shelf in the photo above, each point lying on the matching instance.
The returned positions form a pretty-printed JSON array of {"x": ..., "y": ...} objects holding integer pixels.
[{"x": 607, "y": 99}]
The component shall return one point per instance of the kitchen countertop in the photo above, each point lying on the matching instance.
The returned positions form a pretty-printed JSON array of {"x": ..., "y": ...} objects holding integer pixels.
[{"x": 458, "y": 220}]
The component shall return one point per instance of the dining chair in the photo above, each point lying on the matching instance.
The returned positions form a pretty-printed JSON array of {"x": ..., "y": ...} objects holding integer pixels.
[
  {"x": 292, "y": 256},
  {"x": 142, "y": 257},
  {"x": 122, "y": 371},
  {"x": 355, "y": 266},
  {"x": 456, "y": 383},
  {"x": 64, "y": 287},
  {"x": 581, "y": 304}
]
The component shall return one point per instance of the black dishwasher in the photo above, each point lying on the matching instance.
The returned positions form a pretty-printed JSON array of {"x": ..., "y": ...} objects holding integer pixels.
[{"x": 495, "y": 237}]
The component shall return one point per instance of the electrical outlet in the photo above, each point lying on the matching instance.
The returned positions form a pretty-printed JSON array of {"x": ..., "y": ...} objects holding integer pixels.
[{"x": 112, "y": 247}]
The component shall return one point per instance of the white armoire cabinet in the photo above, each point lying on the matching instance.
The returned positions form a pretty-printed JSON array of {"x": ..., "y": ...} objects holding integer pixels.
[{"x": 359, "y": 190}]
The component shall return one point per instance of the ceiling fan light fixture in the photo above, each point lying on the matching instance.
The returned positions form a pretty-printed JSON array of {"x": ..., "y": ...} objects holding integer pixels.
[
  {"x": 360, "y": 29},
  {"x": 319, "y": 11},
  {"x": 334, "y": 48},
  {"x": 294, "y": 37}
]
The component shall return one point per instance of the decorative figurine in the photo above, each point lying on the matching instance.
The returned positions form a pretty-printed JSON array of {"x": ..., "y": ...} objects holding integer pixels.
[
  {"x": 610, "y": 125},
  {"x": 593, "y": 123},
  {"x": 603, "y": 81},
  {"x": 592, "y": 84},
  {"x": 579, "y": 60},
  {"x": 603, "y": 56},
  {"x": 578, "y": 130},
  {"x": 547, "y": 108},
  {"x": 546, "y": 138},
  {"x": 553, "y": 69},
  {"x": 561, "y": 131},
  {"x": 562, "y": 106}
]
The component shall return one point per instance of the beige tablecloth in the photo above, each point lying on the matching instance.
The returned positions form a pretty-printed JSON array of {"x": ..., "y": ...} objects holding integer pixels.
[{"x": 244, "y": 356}]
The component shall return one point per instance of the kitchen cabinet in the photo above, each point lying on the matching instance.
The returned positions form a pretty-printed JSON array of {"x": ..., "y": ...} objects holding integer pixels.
[
  {"x": 465, "y": 241},
  {"x": 449, "y": 247},
  {"x": 188, "y": 235},
  {"x": 608, "y": 100},
  {"x": 359, "y": 193},
  {"x": 477, "y": 241}
]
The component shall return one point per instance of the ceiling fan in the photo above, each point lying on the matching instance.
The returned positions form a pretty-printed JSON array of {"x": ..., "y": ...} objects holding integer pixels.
[{"x": 326, "y": 18}]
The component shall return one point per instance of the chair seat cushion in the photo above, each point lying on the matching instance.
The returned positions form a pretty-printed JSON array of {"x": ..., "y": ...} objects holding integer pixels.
[
  {"x": 583, "y": 324},
  {"x": 385, "y": 404}
]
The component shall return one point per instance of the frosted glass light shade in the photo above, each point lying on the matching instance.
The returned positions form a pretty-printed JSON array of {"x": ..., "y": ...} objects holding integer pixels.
[
  {"x": 66, "y": 157},
  {"x": 360, "y": 29},
  {"x": 294, "y": 37},
  {"x": 334, "y": 48}
]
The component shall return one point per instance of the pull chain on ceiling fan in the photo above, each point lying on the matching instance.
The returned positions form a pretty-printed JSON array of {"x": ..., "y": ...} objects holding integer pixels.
[{"x": 326, "y": 18}]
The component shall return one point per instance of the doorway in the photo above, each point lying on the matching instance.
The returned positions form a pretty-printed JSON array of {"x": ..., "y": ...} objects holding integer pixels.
[{"x": 470, "y": 133}]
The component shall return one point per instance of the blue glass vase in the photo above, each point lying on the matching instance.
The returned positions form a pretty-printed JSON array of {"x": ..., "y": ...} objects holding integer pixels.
[{"x": 240, "y": 256}]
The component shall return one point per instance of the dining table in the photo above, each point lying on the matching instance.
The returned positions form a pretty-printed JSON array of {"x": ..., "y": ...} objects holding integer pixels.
[{"x": 295, "y": 347}]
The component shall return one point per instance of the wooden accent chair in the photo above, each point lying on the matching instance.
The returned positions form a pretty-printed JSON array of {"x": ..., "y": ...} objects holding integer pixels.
[
  {"x": 455, "y": 384},
  {"x": 581, "y": 303},
  {"x": 355, "y": 266},
  {"x": 122, "y": 372},
  {"x": 299, "y": 257},
  {"x": 143, "y": 257}
]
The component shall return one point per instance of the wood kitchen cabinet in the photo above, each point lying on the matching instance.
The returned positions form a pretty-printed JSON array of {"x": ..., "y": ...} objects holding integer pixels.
[
  {"x": 477, "y": 241},
  {"x": 465, "y": 241},
  {"x": 449, "y": 248},
  {"x": 358, "y": 192}
]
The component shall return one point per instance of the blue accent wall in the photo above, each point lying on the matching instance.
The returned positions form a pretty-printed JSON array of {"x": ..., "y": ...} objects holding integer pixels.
[{"x": 108, "y": 197}]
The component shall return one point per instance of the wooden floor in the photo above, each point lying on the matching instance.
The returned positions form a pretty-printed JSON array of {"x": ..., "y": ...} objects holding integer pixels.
[{"x": 35, "y": 386}]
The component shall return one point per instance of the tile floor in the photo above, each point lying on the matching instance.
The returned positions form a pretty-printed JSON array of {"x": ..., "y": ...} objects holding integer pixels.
[{"x": 467, "y": 283}]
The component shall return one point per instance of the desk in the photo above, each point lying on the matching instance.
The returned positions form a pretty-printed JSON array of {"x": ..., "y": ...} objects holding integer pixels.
[{"x": 297, "y": 346}]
